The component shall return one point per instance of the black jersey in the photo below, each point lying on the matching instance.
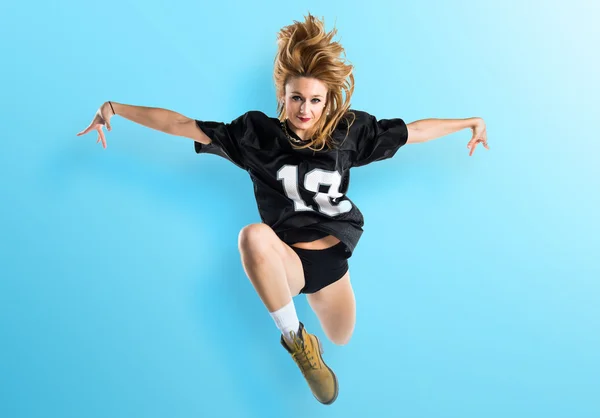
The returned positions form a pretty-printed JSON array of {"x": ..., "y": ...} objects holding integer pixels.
[{"x": 300, "y": 193}]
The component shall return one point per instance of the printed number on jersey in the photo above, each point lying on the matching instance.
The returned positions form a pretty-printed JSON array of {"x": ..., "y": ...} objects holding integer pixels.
[{"x": 312, "y": 181}]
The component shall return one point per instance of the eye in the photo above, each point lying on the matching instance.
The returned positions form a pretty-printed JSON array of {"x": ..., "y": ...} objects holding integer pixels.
[
  {"x": 317, "y": 100},
  {"x": 294, "y": 98}
]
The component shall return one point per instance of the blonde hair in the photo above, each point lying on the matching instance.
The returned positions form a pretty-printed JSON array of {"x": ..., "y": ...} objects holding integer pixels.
[{"x": 306, "y": 50}]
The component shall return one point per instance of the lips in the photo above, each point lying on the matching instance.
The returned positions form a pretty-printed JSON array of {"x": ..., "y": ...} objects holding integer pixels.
[{"x": 304, "y": 119}]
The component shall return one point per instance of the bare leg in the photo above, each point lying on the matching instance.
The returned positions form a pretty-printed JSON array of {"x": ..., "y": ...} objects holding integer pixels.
[
  {"x": 335, "y": 307},
  {"x": 271, "y": 265},
  {"x": 276, "y": 273}
]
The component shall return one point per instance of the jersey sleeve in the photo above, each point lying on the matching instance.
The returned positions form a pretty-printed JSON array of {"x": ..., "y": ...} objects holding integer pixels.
[
  {"x": 226, "y": 139},
  {"x": 377, "y": 139}
]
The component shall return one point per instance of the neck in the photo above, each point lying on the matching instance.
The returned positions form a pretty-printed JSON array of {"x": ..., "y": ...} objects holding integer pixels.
[{"x": 300, "y": 133}]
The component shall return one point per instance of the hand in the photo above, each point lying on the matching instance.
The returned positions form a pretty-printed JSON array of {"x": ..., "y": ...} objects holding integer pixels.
[
  {"x": 101, "y": 118},
  {"x": 479, "y": 135}
]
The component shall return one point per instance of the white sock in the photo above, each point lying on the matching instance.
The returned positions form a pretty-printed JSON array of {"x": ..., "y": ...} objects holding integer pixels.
[{"x": 286, "y": 320}]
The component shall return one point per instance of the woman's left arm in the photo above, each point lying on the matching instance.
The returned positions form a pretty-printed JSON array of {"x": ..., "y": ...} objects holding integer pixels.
[{"x": 428, "y": 129}]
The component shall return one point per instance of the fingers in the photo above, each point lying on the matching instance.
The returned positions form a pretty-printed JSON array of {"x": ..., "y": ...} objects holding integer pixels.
[
  {"x": 483, "y": 142},
  {"x": 474, "y": 142},
  {"x": 97, "y": 124},
  {"x": 473, "y": 148},
  {"x": 471, "y": 145},
  {"x": 85, "y": 131},
  {"x": 102, "y": 137}
]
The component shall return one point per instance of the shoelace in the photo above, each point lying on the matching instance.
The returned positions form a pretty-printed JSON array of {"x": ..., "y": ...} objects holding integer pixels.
[{"x": 302, "y": 354}]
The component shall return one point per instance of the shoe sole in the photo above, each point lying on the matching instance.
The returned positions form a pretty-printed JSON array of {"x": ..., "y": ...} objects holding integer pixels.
[{"x": 335, "y": 381}]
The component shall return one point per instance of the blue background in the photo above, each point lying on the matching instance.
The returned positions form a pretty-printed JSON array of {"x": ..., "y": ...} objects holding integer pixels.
[{"x": 122, "y": 292}]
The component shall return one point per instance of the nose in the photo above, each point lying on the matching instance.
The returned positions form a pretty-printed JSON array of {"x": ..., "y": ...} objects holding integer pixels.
[{"x": 303, "y": 107}]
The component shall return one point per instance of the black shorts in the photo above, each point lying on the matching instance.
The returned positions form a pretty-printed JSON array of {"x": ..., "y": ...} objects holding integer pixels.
[{"x": 322, "y": 267}]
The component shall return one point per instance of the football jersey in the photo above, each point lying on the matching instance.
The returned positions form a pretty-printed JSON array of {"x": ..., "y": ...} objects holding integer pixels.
[{"x": 301, "y": 193}]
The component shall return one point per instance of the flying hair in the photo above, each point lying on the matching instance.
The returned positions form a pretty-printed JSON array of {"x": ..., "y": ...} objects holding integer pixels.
[{"x": 305, "y": 49}]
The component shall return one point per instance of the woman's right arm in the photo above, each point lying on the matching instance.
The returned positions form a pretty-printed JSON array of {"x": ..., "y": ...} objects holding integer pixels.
[{"x": 163, "y": 120}]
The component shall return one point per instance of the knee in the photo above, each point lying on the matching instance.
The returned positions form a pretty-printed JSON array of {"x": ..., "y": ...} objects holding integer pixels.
[
  {"x": 341, "y": 339},
  {"x": 255, "y": 237}
]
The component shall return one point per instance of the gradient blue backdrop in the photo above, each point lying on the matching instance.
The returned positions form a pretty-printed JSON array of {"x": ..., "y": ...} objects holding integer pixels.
[{"x": 121, "y": 289}]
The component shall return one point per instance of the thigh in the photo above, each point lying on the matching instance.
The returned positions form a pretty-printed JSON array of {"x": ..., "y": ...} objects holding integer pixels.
[
  {"x": 261, "y": 240},
  {"x": 293, "y": 269},
  {"x": 335, "y": 306}
]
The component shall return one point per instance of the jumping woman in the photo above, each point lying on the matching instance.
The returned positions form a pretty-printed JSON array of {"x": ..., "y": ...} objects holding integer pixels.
[{"x": 299, "y": 163}]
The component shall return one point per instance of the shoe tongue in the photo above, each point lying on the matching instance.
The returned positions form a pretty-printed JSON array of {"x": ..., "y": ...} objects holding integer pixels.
[
  {"x": 300, "y": 336},
  {"x": 300, "y": 333},
  {"x": 298, "y": 340},
  {"x": 298, "y": 343},
  {"x": 293, "y": 346}
]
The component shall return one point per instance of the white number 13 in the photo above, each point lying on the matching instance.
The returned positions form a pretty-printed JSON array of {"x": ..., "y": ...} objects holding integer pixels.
[{"x": 312, "y": 180}]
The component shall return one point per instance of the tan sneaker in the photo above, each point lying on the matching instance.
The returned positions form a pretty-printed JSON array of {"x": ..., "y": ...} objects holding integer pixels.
[{"x": 306, "y": 352}]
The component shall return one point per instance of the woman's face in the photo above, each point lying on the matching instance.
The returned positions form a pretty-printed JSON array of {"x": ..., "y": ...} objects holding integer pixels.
[{"x": 304, "y": 103}]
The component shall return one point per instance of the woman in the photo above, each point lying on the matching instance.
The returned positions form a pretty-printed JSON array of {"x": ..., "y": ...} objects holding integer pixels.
[{"x": 299, "y": 164}]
